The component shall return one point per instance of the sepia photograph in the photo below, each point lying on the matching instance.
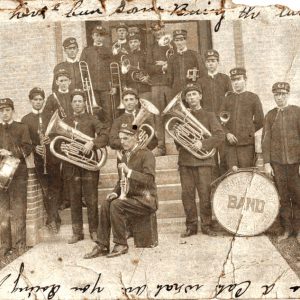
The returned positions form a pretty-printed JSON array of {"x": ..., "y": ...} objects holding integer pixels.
[{"x": 149, "y": 158}]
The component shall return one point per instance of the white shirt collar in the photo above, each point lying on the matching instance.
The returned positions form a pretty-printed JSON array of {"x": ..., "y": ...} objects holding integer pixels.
[
  {"x": 70, "y": 60},
  {"x": 36, "y": 112},
  {"x": 96, "y": 45},
  {"x": 122, "y": 41},
  {"x": 181, "y": 51},
  {"x": 66, "y": 92},
  {"x": 213, "y": 74},
  {"x": 130, "y": 112},
  {"x": 10, "y": 122}
]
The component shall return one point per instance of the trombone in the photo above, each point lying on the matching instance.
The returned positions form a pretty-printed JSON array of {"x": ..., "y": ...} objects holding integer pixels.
[
  {"x": 91, "y": 104},
  {"x": 115, "y": 82}
]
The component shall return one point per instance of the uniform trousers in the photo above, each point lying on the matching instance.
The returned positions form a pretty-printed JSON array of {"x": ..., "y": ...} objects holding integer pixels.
[
  {"x": 114, "y": 215},
  {"x": 104, "y": 101},
  {"x": 13, "y": 205},
  {"x": 160, "y": 97},
  {"x": 82, "y": 182},
  {"x": 240, "y": 156},
  {"x": 199, "y": 178},
  {"x": 288, "y": 184},
  {"x": 51, "y": 185}
]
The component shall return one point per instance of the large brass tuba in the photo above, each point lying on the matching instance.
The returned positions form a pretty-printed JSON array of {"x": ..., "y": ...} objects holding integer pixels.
[
  {"x": 91, "y": 104},
  {"x": 185, "y": 129},
  {"x": 73, "y": 141}
]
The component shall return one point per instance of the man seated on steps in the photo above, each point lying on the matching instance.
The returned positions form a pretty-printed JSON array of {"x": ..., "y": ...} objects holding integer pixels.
[{"x": 135, "y": 199}]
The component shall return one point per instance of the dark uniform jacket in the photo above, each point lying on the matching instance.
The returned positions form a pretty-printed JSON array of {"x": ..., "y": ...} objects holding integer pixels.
[
  {"x": 73, "y": 69},
  {"x": 52, "y": 104},
  {"x": 178, "y": 66},
  {"x": 91, "y": 126},
  {"x": 246, "y": 116},
  {"x": 281, "y": 136},
  {"x": 137, "y": 59},
  {"x": 210, "y": 122},
  {"x": 98, "y": 60},
  {"x": 32, "y": 121},
  {"x": 15, "y": 138},
  {"x": 142, "y": 185},
  {"x": 157, "y": 53},
  {"x": 214, "y": 90},
  {"x": 114, "y": 141}
]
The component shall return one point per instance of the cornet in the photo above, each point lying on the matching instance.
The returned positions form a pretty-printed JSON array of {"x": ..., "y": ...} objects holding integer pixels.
[
  {"x": 74, "y": 141},
  {"x": 224, "y": 117},
  {"x": 185, "y": 129},
  {"x": 166, "y": 40},
  {"x": 91, "y": 103}
]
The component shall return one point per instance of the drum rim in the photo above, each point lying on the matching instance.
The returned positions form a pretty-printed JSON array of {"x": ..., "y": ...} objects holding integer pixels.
[{"x": 245, "y": 170}]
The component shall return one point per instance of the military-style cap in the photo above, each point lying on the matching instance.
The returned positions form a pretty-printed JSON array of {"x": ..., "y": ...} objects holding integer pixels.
[
  {"x": 281, "y": 87},
  {"x": 62, "y": 72},
  {"x": 70, "y": 41},
  {"x": 237, "y": 72},
  {"x": 135, "y": 36},
  {"x": 122, "y": 25},
  {"x": 179, "y": 32},
  {"x": 128, "y": 128},
  {"x": 131, "y": 91},
  {"x": 213, "y": 54},
  {"x": 6, "y": 102},
  {"x": 99, "y": 29},
  {"x": 191, "y": 87},
  {"x": 77, "y": 92},
  {"x": 36, "y": 91}
]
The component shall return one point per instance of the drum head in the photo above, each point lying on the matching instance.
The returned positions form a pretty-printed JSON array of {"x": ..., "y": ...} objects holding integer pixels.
[{"x": 246, "y": 203}]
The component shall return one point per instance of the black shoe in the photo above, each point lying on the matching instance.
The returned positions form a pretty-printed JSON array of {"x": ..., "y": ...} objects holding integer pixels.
[
  {"x": 97, "y": 251},
  {"x": 188, "y": 232},
  {"x": 75, "y": 238},
  {"x": 118, "y": 250},
  {"x": 207, "y": 230}
]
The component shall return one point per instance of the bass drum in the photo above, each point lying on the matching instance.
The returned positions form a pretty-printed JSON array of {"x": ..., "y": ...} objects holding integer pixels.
[
  {"x": 8, "y": 167},
  {"x": 246, "y": 203}
]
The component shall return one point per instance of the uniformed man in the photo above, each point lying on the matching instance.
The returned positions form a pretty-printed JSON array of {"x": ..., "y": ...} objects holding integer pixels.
[
  {"x": 215, "y": 86},
  {"x": 246, "y": 117},
  {"x": 281, "y": 154},
  {"x": 137, "y": 77},
  {"x": 47, "y": 166},
  {"x": 197, "y": 173},
  {"x": 98, "y": 58},
  {"x": 14, "y": 142},
  {"x": 185, "y": 66},
  {"x": 157, "y": 64},
  {"x": 130, "y": 100},
  {"x": 138, "y": 166},
  {"x": 83, "y": 182},
  {"x": 60, "y": 100},
  {"x": 120, "y": 46},
  {"x": 71, "y": 65}
]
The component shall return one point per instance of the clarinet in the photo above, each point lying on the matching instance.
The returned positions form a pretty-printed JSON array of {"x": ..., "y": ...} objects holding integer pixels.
[{"x": 42, "y": 136}]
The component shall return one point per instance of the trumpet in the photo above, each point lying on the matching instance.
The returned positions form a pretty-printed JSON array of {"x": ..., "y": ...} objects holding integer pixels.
[
  {"x": 91, "y": 104},
  {"x": 185, "y": 129},
  {"x": 72, "y": 142},
  {"x": 124, "y": 185},
  {"x": 224, "y": 117}
]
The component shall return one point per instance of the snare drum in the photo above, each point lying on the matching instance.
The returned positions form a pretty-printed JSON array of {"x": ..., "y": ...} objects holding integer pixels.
[
  {"x": 8, "y": 167},
  {"x": 246, "y": 203}
]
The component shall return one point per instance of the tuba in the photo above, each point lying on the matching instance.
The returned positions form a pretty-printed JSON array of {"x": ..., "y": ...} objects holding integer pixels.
[
  {"x": 72, "y": 141},
  {"x": 185, "y": 129},
  {"x": 91, "y": 103}
]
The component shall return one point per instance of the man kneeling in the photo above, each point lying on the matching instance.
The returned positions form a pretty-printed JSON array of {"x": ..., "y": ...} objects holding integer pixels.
[{"x": 136, "y": 198}]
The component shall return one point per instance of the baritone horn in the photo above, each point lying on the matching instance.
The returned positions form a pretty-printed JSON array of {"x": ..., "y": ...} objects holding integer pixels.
[
  {"x": 91, "y": 104},
  {"x": 72, "y": 142},
  {"x": 185, "y": 129}
]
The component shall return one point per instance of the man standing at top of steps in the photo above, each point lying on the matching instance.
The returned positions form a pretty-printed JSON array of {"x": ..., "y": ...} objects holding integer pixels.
[{"x": 197, "y": 173}]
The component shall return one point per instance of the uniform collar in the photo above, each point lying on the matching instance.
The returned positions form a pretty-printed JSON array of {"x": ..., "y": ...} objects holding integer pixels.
[
  {"x": 36, "y": 112},
  {"x": 95, "y": 45},
  {"x": 66, "y": 92},
  {"x": 10, "y": 122},
  {"x": 282, "y": 108},
  {"x": 78, "y": 115},
  {"x": 183, "y": 50},
  {"x": 70, "y": 60},
  {"x": 212, "y": 75},
  {"x": 122, "y": 41},
  {"x": 131, "y": 113}
]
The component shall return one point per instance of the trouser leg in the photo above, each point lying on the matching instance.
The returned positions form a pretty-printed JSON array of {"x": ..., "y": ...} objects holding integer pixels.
[
  {"x": 187, "y": 179},
  {"x": 246, "y": 155},
  {"x": 104, "y": 224},
  {"x": 5, "y": 232}
]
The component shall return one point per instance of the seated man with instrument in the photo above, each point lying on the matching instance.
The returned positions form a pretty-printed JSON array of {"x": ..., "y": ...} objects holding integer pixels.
[
  {"x": 15, "y": 145},
  {"x": 135, "y": 195},
  {"x": 47, "y": 166},
  {"x": 281, "y": 154},
  {"x": 80, "y": 179},
  {"x": 130, "y": 100},
  {"x": 196, "y": 172}
]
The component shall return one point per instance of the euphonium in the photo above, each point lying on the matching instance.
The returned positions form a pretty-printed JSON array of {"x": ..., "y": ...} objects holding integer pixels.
[
  {"x": 185, "y": 129},
  {"x": 91, "y": 103},
  {"x": 74, "y": 140}
]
